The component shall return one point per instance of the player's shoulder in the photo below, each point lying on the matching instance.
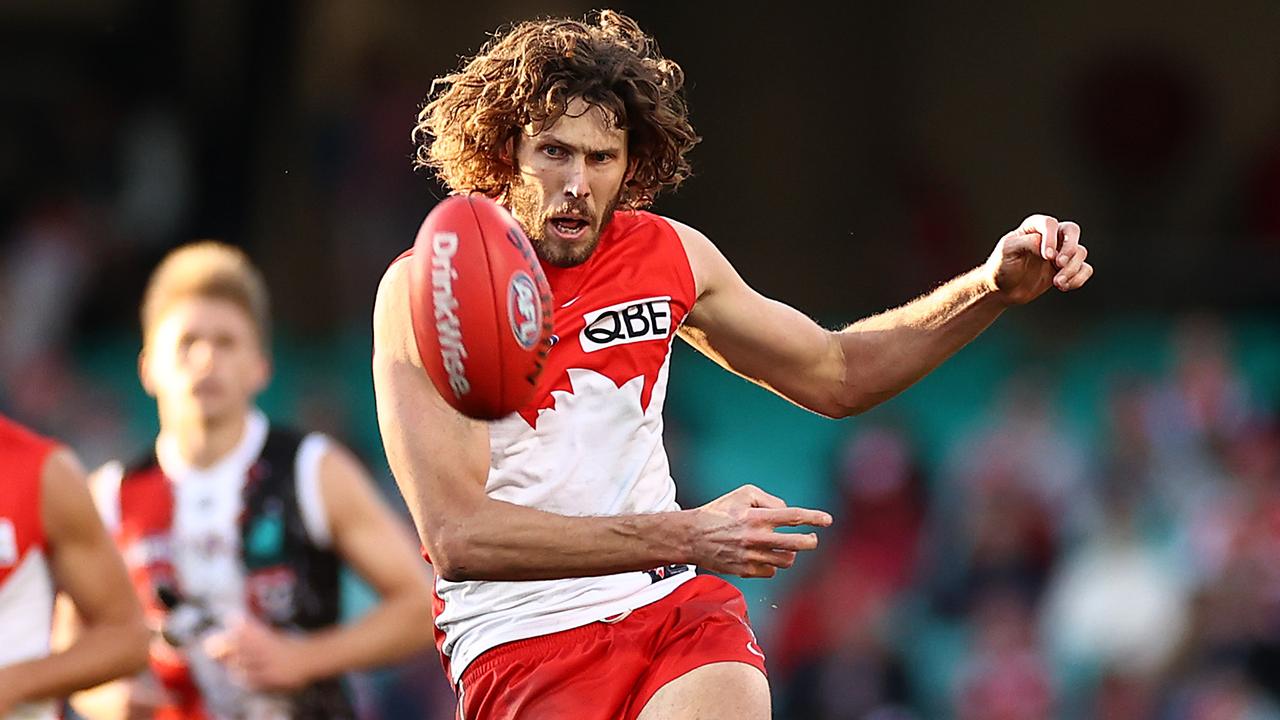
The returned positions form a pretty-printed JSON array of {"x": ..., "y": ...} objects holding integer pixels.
[
  {"x": 673, "y": 236},
  {"x": 393, "y": 337},
  {"x": 337, "y": 463},
  {"x": 703, "y": 256},
  {"x": 18, "y": 438},
  {"x": 313, "y": 449},
  {"x": 306, "y": 444},
  {"x": 107, "y": 481},
  {"x": 304, "y": 450},
  {"x": 396, "y": 277},
  {"x": 63, "y": 462},
  {"x": 104, "y": 485},
  {"x": 396, "y": 274},
  {"x": 284, "y": 435},
  {"x": 640, "y": 221},
  {"x": 65, "y": 496},
  {"x": 34, "y": 462},
  {"x": 686, "y": 232},
  {"x": 408, "y": 253}
]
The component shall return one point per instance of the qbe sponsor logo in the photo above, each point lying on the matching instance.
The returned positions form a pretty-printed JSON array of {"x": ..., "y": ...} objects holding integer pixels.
[{"x": 625, "y": 323}]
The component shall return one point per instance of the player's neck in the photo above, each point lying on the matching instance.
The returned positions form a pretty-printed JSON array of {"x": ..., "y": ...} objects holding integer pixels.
[{"x": 202, "y": 442}]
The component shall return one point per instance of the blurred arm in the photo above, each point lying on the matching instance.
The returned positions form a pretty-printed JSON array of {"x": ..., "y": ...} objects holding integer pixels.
[
  {"x": 372, "y": 541},
  {"x": 112, "y": 641}
]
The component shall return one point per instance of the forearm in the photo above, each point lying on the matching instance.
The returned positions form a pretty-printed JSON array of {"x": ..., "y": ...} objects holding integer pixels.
[
  {"x": 502, "y": 541},
  {"x": 886, "y": 353},
  {"x": 397, "y": 627},
  {"x": 101, "y": 653}
]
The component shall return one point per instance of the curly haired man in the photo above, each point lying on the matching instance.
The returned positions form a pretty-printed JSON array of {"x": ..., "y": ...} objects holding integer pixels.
[{"x": 568, "y": 581}]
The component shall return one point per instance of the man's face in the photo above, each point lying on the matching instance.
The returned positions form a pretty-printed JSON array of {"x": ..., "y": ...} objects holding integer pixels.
[
  {"x": 570, "y": 177},
  {"x": 204, "y": 360}
]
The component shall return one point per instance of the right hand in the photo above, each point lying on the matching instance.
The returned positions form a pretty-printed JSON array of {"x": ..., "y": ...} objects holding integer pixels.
[{"x": 736, "y": 533}]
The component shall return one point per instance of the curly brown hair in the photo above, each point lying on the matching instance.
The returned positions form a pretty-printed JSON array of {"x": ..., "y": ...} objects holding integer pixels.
[{"x": 529, "y": 74}]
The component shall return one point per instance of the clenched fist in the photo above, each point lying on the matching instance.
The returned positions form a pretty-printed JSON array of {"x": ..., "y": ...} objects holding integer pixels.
[{"x": 1040, "y": 253}]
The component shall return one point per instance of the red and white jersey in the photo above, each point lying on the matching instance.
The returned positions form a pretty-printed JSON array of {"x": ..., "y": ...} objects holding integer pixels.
[
  {"x": 26, "y": 586},
  {"x": 590, "y": 440},
  {"x": 180, "y": 524}
]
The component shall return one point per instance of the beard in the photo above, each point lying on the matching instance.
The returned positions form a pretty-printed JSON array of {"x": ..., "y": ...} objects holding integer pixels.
[{"x": 526, "y": 206}]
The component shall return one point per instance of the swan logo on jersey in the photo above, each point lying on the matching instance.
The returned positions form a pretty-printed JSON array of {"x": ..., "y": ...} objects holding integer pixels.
[
  {"x": 524, "y": 309},
  {"x": 8, "y": 543},
  {"x": 629, "y": 322}
]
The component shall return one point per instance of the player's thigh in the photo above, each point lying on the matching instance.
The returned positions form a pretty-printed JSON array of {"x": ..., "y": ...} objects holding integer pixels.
[{"x": 718, "y": 691}]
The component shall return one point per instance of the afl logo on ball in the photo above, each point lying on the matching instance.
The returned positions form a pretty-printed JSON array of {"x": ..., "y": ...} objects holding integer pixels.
[{"x": 524, "y": 309}]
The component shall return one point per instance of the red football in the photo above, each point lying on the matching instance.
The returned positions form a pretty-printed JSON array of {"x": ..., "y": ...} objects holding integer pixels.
[{"x": 481, "y": 306}]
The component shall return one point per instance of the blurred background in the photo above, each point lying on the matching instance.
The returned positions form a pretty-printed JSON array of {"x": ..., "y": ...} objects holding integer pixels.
[{"x": 1077, "y": 517}]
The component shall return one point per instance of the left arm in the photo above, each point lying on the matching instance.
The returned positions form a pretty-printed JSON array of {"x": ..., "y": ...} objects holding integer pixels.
[
  {"x": 850, "y": 371},
  {"x": 85, "y": 565},
  {"x": 370, "y": 539}
]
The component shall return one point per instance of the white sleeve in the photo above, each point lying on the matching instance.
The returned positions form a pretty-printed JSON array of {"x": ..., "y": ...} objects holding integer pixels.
[
  {"x": 306, "y": 473},
  {"x": 104, "y": 486}
]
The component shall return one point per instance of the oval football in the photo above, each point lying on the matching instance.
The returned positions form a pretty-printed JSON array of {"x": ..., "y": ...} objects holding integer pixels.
[{"x": 481, "y": 307}]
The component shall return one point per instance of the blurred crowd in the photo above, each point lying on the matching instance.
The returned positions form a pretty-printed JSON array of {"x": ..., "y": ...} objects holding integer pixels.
[{"x": 1035, "y": 576}]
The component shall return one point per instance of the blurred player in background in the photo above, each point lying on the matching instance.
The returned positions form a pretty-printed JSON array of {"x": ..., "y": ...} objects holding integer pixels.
[
  {"x": 575, "y": 127},
  {"x": 51, "y": 540},
  {"x": 234, "y": 529}
]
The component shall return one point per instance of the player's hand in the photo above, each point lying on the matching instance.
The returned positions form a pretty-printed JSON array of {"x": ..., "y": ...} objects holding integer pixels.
[
  {"x": 262, "y": 658},
  {"x": 1042, "y": 252},
  {"x": 737, "y": 533}
]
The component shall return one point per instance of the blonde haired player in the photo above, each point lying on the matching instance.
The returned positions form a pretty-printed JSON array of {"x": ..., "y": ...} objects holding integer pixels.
[{"x": 234, "y": 529}]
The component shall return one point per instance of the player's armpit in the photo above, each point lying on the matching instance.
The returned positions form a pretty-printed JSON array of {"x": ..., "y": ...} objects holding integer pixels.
[{"x": 112, "y": 641}]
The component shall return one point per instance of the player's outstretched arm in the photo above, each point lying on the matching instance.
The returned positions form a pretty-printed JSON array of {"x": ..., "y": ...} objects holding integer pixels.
[
  {"x": 441, "y": 462},
  {"x": 113, "y": 640},
  {"x": 847, "y": 372}
]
